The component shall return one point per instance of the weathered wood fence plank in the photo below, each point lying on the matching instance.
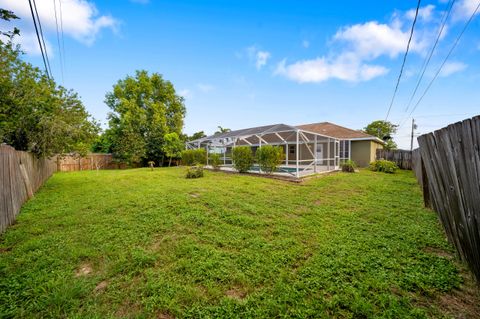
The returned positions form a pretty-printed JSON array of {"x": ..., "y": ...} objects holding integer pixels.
[
  {"x": 402, "y": 158},
  {"x": 451, "y": 159},
  {"x": 21, "y": 175}
]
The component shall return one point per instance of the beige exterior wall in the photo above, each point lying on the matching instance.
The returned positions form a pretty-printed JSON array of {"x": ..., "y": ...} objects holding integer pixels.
[{"x": 364, "y": 152}]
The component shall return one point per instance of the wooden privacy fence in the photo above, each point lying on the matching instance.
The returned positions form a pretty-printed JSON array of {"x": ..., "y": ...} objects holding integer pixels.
[
  {"x": 21, "y": 175},
  {"x": 450, "y": 172},
  {"x": 68, "y": 163},
  {"x": 402, "y": 158}
]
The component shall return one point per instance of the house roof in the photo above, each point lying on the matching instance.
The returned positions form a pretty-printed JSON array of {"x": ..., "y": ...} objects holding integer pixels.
[
  {"x": 337, "y": 131},
  {"x": 252, "y": 131}
]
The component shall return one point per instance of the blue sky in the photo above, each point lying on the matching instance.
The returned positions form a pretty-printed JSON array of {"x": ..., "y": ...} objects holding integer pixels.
[{"x": 246, "y": 63}]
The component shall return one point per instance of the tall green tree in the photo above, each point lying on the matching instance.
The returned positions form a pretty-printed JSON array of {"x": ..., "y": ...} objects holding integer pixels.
[
  {"x": 384, "y": 131},
  {"x": 36, "y": 114},
  {"x": 173, "y": 146},
  {"x": 144, "y": 108}
]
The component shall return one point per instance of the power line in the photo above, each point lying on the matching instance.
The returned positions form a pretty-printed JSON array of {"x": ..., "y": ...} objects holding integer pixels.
[
  {"x": 457, "y": 40},
  {"x": 38, "y": 38},
  {"x": 427, "y": 60},
  {"x": 404, "y": 60},
  {"x": 61, "y": 29},
  {"x": 41, "y": 36},
  {"x": 58, "y": 37}
]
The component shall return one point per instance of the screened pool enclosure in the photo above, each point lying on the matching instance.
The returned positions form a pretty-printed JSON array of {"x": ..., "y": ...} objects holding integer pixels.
[{"x": 306, "y": 152}]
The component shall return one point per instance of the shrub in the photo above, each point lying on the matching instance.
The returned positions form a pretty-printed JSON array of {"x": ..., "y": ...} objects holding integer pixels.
[
  {"x": 194, "y": 157},
  {"x": 151, "y": 164},
  {"x": 383, "y": 166},
  {"x": 349, "y": 166},
  {"x": 194, "y": 172},
  {"x": 214, "y": 160},
  {"x": 269, "y": 158},
  {"x": 242, "y": 158}
]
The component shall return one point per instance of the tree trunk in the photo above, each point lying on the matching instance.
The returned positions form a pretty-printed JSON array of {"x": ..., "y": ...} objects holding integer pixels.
[{"x": 169, "y": 162}]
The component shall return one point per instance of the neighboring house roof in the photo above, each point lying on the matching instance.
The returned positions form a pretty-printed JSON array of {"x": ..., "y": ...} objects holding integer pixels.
[{"x": 337, "y": 131}]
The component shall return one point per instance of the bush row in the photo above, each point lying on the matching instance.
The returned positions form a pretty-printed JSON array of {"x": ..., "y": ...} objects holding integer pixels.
[
  {"x": 194, "y": 157},
  {"x": 268, "y": 158},
  {"x": 383, "y": 166}
]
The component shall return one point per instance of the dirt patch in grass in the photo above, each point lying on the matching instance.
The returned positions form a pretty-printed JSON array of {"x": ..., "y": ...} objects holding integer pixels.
[
  {"x": 101, "y": 286},
  {"x": 4, "y": 250},
  {"x": 236, "y": 293},
  {"x": 438, "y": 252},
  {"x": 84, "y": 270},
  {"x": 128, "y": 310},
  {"x": 164, "y": 315},
  {"x": 462, "y": 302}
]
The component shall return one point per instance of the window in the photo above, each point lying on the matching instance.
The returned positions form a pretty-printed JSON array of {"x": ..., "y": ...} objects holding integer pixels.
[
  {"x": 344, "y": 149},
  {"x": 291, "y": 149}
]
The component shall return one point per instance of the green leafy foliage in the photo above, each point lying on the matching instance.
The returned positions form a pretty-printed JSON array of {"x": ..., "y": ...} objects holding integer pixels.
[
  {"x": 242, "y": 158},
  {"x": 384, "y": 131},
  {"x": 7, "y": 15},
  {"x": 172, "y": 146},
  {"x": 348, "y": 166},
  {"x": 229, "y": 246},
  {"x": 269, "y": 157},
  {"x": 383, "y": 166},
  {"x": 103, "y": 142},
  {"x": 194, "y": 157},
  {"x": 196, "y": 136},
  {"x": 215, "y": 160},
  {"x": 36, "y": 114},
  {"x": 194, "y": 172},
  {"x": 145, "y": 108}
]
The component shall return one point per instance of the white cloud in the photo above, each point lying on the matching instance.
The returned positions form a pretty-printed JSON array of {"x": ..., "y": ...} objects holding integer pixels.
[
  {"x": 358, "y": 45},
  {"x": 372, "y": 39},
  {"x": 305, "y": 44},
  {"x": 205, "y": 88},
  {"x": 259, "y": 57},
  {"x": 463, "y": 9},
  {"x": 426, "y": 13},
  {"x": 345, "y": 67},
  {"x": 452, "y": 67},
  {"x": 81, "y": 20}
]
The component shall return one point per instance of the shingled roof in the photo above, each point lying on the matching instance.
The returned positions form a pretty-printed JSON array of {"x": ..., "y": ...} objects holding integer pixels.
[{"x": 337, "y": 131}]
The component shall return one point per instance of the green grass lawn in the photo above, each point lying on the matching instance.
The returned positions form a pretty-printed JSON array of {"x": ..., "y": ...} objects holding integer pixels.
[{"x": 140, "y": 244}]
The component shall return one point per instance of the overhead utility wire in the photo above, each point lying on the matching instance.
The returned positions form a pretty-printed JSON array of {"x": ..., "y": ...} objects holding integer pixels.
[
  {"x": 61, "y": 29},
  {"x": 404, "y": 60},
  {"x": 445, "y": 60},
  {"x": 38, "y": 38},
  {"x": 58, "y": 37},
  {"x": 41, "y": 36},
  {"x": 427, "y": 60}
]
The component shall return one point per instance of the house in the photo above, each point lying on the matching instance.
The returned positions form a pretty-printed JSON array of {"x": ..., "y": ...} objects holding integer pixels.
[
  {"x": 308, "y": 149},
  {"x": 362, "y": 145}
]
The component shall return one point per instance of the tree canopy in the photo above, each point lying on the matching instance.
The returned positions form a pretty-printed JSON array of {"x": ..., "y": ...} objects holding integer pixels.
[
  {"x": 144, "y": 108},
  {"x": 196, "y": 136},
  {"x": 222, "y": 130},
  {"x": 36, "y": 114},
  {"x": 384, "y": 131}
]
